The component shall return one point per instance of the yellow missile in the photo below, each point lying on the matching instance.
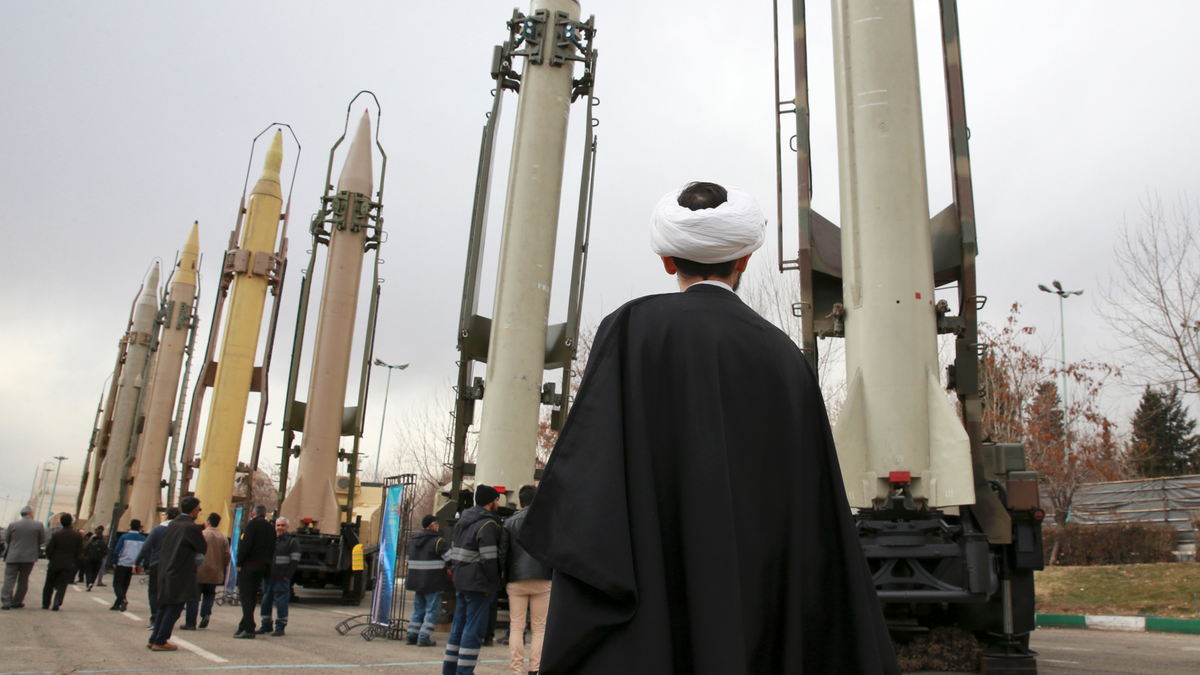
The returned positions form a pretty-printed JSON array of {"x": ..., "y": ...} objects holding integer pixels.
[{"x": 239, "y": 343}]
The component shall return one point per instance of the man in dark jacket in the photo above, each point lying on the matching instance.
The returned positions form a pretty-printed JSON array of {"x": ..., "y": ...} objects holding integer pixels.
[
  {"x": 147, "y": 559},
  {"x": 277, "y": 589},
  {"x": 93, "y": 556},
  {"x": 475, "y": 558},
  {"x": 63, "y": 551},
  {"x": 255, "y": 550},
  {"x": 182, "y": 552},
  {"x": 428, "y": 557},
  {"x": 528, "y": 591}
]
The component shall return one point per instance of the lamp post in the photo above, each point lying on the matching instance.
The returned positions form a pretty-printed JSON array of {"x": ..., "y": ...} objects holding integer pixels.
[
  {"x": 42, "y": 497},
  {"x": 1062, "y": 333},
  {"x": 54, "y": 491},
  {"x": 383, "y": 416}
]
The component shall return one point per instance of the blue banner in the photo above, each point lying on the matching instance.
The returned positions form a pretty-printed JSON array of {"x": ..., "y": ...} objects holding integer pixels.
[
  {"x": 389, "y": 541},
  {"x": 234, "y": 543}
]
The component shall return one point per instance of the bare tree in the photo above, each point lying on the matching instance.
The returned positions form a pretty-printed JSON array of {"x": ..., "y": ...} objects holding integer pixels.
[
  {"x": 772, "y": 295},
  {"x": 1152, "y": 300},
  {"x": 419, "y": 445}
]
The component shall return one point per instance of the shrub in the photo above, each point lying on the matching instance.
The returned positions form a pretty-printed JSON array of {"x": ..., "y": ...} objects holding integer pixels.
[{"x": 1111, "y": 544}]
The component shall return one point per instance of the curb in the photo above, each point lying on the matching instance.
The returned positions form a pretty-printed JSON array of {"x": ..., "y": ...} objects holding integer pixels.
[{"x": 1140, "y": 624}]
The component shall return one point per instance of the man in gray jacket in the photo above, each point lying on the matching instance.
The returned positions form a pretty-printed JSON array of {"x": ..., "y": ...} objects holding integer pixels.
[
  {"x": 528, "y": 589},
  {"x": 23, "y": 542}
]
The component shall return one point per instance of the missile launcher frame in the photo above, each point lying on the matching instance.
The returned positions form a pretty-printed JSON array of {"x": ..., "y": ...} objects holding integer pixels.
[{"x": 972, "y": 564}]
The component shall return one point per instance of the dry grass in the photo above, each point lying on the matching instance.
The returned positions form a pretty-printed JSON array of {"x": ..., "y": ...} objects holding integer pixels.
[{"x": 1164, "y": 589}]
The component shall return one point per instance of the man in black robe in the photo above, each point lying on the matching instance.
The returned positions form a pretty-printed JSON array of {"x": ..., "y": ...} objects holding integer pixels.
[
  {"x": 693, "y": 509},
  {"x": 182, "y": 553}
]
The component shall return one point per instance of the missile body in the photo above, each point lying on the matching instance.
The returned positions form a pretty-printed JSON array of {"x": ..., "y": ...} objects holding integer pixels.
[
  {"x": 896, "y": 418},
  {"x": 129, "y": 389},
  {"x": 312, "y": 496},
  {"x": 239, "y": 343},
  {"x": 517, "y": 351},
  {"x": 164, "y": 382}
]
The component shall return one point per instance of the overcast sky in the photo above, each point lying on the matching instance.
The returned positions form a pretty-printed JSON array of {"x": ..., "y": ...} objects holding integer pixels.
[{"x": 121, "y": 123}]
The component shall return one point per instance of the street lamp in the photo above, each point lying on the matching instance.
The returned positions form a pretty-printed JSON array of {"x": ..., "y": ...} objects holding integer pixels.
[
  {"x": 383, "y": 417},
  {"x": 42, "y": 498},
  {"x": 55, "y": 490},
  {"x": 1062, "y": 333}
]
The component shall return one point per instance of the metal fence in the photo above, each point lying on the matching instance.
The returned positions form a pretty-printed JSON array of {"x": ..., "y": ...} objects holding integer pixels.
[{"x": 1173, "y": 501}]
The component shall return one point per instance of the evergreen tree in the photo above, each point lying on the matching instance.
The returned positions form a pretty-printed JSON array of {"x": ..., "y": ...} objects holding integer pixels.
[{"x": 1164, "y": 441}]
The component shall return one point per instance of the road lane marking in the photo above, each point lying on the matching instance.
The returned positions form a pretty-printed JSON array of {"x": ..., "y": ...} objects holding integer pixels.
[
  {"x": 101, "y": 601},
  {"x": 199, "y": 650},
  {"x": 1069, "y": 649},
  {"x": 135, "y": 617},
  {"x": 338, "y": 611},
  {"x": 1191, "y": 649},
  {"x": 74, "y": 588},
  {"x": 273, "y": 666},
  {"x": 1056, "y": 661}
]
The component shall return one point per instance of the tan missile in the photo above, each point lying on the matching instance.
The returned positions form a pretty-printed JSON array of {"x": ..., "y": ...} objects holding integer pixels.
[
  {"x": 239, "y": 343},
  {"x": 312, "y": 497},
  {"x": 109, "y": 492},
  {"x": 164, "y": 383}
]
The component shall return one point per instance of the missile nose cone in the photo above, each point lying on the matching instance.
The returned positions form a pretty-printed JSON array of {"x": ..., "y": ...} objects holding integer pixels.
[
  {"x": 358, "y": 172},
  {"x": 150, "y": 290},
  {"x": 193, "y": 241},
  {"x": 275, "y": 154}
]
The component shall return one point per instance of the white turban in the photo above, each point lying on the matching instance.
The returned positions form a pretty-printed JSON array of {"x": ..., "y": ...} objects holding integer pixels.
[{"x": 732, "y": 230}]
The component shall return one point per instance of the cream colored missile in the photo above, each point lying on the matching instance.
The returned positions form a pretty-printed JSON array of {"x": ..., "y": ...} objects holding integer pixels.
[
  {"x": 133, "y": 377},
  {"x": 896, "y": 419},
  {"x": 164, "y": 384},
  {"x": 312, "y": 497},
  {"x": 239, "y": 344},
  {"x": 517, "y": 347}
]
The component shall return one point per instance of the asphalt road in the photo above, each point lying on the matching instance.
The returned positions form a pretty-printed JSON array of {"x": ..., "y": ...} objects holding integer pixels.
[{"x": 85, "y": 637}]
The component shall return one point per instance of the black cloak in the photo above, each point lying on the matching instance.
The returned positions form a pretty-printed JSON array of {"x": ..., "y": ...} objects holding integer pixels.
[
  {"x": 177, "y": 562},
  {"x": 693, "y": 509}
]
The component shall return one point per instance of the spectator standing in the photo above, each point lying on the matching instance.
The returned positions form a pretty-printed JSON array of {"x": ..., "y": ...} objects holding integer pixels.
[
  {"x": 183, "y": 551},
  {"x": 23, "y": 539},
  {"x": 124, "y": 554},
  {"x": 255, "y": 550},
  {"x": 277, "y": 589},
  {"x": 148, "y": 558},
  {"x": 476, "y": 559},
  {"x": 63, "y": 552},
  {"x": 93, "y": 556},
  {"x": 78, "y": 575},
  {"x": 528, "y": 592},
  {"x": 428, "y": 558},
  {"x": 209, "y": 575}
]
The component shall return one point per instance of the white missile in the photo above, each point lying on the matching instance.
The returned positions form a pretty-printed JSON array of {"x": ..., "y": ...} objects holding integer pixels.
[
  {"x": 164, "y": 382},
  {"x": 313, "y": 496},
  {"x": 517, "y": 351},
  {"x": 897, "y": 426},
  {"x": 132, "y": 378}
]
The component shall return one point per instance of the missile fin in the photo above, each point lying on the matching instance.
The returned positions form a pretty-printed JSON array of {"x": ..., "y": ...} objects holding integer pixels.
[
  {"x": 949, "y": 451},
  {"x": 850, "y": 434}
]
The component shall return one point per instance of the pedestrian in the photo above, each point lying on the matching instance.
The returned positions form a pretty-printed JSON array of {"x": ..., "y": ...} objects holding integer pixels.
[
  {"x": 669, "y": 554},
  {"x": 528, "y": 592},
  {"x": 475, "y": 557},
  {"x": 125, "y": 552},
  {"x": 147, "y": 560},
  {"x": 255, "y": 551},
  {"x": 23, "y": 539},
  {"x": 277, "y": 588},
  {"x": 428, "y": 560},
  {"x": 93, "y": 556},
  {"x": 63, "y": 551},
  {"x": 78, "y": 575},
  {"x": 183, "y": 550},
  {"x": 210, "y": 575}
]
